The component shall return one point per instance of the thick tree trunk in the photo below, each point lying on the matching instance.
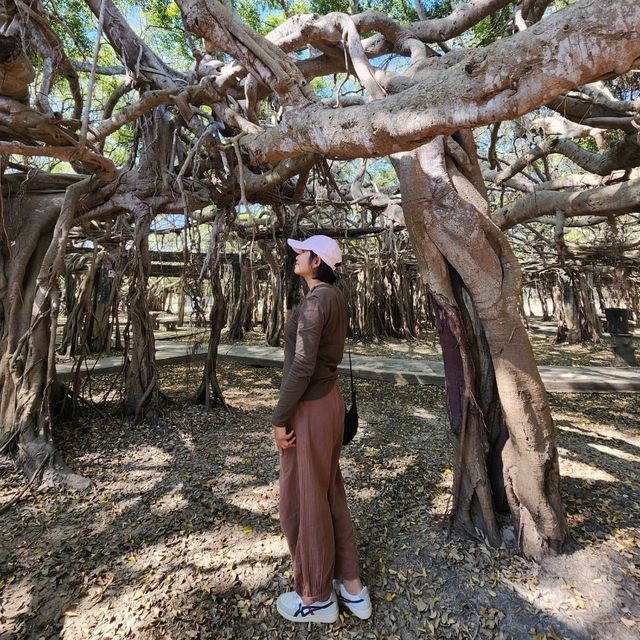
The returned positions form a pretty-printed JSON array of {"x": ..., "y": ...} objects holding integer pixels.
[
  {"x": 576, "y": 315},
  {"x": 16, "y": 71},
  {"x": 569, "y": 321},
  {"x": 31, "y": 259},
  {"x": 590, "y": 324},
  {"x": 472, "y": 508},
  {"x": 494, "y": 432},
  {"x": 444, "y": 214}
]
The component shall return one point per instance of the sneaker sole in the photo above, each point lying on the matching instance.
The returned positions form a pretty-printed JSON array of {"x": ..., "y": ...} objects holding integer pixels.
[
  {"x": 319, "y": 617},
  {"x": 362, "y": 615}
]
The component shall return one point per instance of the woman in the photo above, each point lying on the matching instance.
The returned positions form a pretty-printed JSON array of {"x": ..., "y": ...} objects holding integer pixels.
[{"x": 308, "y": 425}]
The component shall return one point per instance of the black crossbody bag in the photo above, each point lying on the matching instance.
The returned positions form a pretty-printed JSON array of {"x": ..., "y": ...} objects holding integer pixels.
[{"x": 350, "y": 415}]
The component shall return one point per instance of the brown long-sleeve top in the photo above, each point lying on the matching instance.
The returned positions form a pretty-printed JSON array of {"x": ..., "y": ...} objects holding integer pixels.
[{"x": 314, "y": 339}]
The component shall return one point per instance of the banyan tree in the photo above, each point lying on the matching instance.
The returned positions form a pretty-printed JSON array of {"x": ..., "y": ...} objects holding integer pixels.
[{"x": 223, "y": 109}]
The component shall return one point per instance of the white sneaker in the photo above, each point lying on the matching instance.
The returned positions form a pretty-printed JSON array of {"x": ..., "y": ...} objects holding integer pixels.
[
  {"x": 359, "y": 604},
  {"x": 291, "y": 607}
]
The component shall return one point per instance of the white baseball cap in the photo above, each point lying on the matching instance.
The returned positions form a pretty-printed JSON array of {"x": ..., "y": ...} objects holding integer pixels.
[{"x": 323, "y": 246}]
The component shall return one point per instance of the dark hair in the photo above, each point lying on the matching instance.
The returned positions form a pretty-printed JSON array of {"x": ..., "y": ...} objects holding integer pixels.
[{"x": 324, "y": 272}]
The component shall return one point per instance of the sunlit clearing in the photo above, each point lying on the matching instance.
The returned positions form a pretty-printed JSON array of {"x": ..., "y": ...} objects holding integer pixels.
[
  {"x": 12, "y": 603},
  {"x": 174, "y": 500},
  {"x": 425, "y": 414},
  {"x": 575, "y": 469},
  {"x": 184, "y": 571},
  {"x": 623, "y": 455},
  {"x": 257, "y": 500},
  {"x": 393, "y": 467}
]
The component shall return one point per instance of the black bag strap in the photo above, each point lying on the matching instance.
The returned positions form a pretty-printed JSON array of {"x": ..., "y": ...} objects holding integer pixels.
[{"x": 353, "y": 388}]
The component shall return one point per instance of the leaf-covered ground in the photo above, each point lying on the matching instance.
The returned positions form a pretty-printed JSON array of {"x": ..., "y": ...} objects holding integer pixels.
[{"x": 179, "y": 537}]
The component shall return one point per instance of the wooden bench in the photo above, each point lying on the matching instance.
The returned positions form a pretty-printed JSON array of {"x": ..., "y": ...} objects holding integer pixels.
[{"x": 169, "y": 324}]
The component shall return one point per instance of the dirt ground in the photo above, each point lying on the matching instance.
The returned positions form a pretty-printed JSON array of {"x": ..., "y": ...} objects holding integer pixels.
[{"x": 179, "y": 536}]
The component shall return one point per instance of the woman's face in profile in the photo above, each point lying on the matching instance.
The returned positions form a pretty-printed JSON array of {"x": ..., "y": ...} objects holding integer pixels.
[{"x": 303, "y": 266}]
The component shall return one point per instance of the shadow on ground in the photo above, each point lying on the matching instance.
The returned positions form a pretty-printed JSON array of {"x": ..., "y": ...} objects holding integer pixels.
[{"x": 179, "y": 537}]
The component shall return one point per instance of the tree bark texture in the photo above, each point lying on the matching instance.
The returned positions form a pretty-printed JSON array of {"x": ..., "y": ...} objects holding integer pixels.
[
  {"x": 33, "y": 240},
  {"x": 576, "y": 316},
  {"x": 209, "y": 393},
  {"x": 544, "y": 296},
  {"x": 108, "y": 283},
  {"x": 16, "y": 71},
  {"x": 241, "y": 299},
  {"x": 504, "y": 80},
  {"x": 274, "y": 301},
  {"x": 91, "y": 284},
  {"x": 442, "y": 220},
  {"x": 141, "y": 394}
]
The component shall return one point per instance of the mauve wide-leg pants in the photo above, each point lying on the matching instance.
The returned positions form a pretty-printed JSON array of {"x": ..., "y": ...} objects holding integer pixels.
[{"x": 314, "y": 514}]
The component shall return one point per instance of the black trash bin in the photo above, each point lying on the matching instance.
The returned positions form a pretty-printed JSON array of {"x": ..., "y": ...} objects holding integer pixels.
[{"x": 617, "y": 320}]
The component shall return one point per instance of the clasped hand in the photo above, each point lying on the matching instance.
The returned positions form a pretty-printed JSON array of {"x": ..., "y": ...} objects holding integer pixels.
[{"x": 283, "y": 439}]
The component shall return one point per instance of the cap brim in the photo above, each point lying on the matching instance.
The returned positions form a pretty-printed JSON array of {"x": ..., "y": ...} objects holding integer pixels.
[{"x": 296, "y": 245}]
